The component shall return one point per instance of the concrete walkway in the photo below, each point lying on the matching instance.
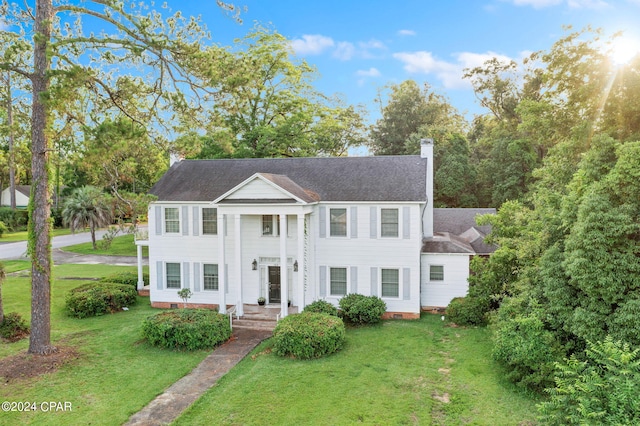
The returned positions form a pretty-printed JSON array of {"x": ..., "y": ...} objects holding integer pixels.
[{"x": 178, "y": 397}]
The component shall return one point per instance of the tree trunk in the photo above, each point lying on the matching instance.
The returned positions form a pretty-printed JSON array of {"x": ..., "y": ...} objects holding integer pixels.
[
  {"x": 12, "y": 162},
  {"x": 1, "y": 307},
  {"x": 93, "y": 236},
  {"x": 39, "y": 207}
]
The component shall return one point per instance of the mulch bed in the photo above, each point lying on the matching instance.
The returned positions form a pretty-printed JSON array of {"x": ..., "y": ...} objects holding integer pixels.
[{"x": 24, "y": 366}]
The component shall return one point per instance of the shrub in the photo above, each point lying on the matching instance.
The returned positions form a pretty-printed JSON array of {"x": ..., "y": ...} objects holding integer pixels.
[
  {"x": 321, "y": 307},
  {"x": 188, "y": 329},
  {"x": 13, "y": 219},
  {"x": 468, "y": 310},
  {"x": 13, "y": 327},
  {"x": 99, "y": 298},
  {"x": 360, "y": 309},
  {"x": 308, "y": 335},
  {"x": 3, "y": 228},
  {"x": 603, "y": 389},
  {"x": 128, "y": 278}
]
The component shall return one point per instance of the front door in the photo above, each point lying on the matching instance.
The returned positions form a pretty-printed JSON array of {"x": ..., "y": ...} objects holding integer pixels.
[{"x": 274, "y": 284}]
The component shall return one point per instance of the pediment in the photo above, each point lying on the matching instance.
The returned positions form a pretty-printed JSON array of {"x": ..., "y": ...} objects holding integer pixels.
[{"x": 266, "y": 188}]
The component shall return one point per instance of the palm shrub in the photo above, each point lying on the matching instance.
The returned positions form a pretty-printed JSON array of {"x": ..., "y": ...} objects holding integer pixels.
[
  {"x": 602, "y": 389},
  {"x": 187, "y": 329},
  {"x": 361, "y": 309},
  {"x": 308, "y": 335},
  {"x": 321, "y": 307},
  {"x": 88, "y": 207},
  {"x": 96, "y": 298}
]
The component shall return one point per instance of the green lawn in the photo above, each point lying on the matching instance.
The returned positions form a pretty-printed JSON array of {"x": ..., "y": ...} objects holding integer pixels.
[
  {"x": 116, "y": 375},
  {"x": 12, "y": 237},
  {"x": 401, "y": 372},
  {"x": 15, "y": 265},
  {"x": 121, "y": 246}
]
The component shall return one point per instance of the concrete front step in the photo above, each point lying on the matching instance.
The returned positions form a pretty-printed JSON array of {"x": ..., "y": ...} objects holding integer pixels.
[{"x": 254, "y": 324}]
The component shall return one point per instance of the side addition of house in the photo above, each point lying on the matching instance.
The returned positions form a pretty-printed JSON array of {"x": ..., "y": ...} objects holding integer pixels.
[{"x": 302, "y": 229}]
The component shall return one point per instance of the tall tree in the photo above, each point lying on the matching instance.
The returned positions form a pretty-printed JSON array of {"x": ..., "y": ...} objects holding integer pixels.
[
  {"x": 165, "y": 46},
  {"x": 87, "y": 207}
]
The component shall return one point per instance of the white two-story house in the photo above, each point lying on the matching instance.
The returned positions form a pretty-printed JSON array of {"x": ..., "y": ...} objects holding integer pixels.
[{"x": 301, "y": 229}]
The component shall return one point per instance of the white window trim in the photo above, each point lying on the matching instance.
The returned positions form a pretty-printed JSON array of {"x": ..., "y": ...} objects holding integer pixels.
[
  {"x": 166, "y": 276},
  {"x": 443, "y": 276},
  {"x": 202, "y": 276},
  {"x": 218, "y": 218},
  {"x": 348, "y": 219},
  {"x": 397, "y": 268},
  {"x": 399, "y": 210},
  {"x": 347, "y": 269},
  {"x": 164, "y": 221},
  {"x": 276, "y": 225}
]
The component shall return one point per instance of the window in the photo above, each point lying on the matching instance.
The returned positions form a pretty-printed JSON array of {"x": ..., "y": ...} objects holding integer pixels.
[
  {"x": 269, "y": 223},
  {"x": 389, "y": 222},
  {"x": 171, "y": 220},
  {"x": 436, "y": 273},
  {"x": 173, "y": 275},
  {"x": 210, "y": 276},
  {"x": 338, "y": 281},
  {"x": 338, "y": 222},
  {"x": 390, "y": 282},
  {"x": 209, "y": 221}
]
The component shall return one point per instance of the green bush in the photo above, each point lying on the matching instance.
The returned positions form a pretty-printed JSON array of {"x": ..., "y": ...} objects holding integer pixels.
[
  {"x": 308, "y": 335},
  {"x": 360, "y": 309},
  {"x": 321, "y": 307},
  {"x": 602, "y": 390},
  {"x": 13, "y": 327},
  {"x": 128, "y": 278},
  {"x": 468, "y": 310},
  {"x": 99, "y": 298},
  {"x": 13, "y": 219},
  {"x": 188, "y": 329},
  {"x": 3, "y": 228}
]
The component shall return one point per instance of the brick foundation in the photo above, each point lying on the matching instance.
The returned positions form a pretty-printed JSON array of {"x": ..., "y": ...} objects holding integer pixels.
[
  {"x": 143, "y": 292},
  {"x": 167, "y": 305},
  {"x": 438, "y": 310},
  {"x": 401, "y": 315}
]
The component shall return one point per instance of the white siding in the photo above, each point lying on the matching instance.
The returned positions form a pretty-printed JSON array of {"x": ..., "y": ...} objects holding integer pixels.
[
  {"x": 257, "y": 189},
  {"x": 455, "y": 284}
]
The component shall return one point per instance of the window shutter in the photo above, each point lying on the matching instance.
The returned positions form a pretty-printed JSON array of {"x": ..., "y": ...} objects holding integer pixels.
[
  {"x": 354, "y": 222},
  {"x": 406, "y": 281},
  {"x": 158, "y": 219},
  {"x": 196, "y": 221},
  {"x": 159, "y": 272},
  {"x": 353, "y": 287},
  {"x": 196, "y": 276},
  {"x": 374, "y": 222},
  {"x": 406, "y": 224},
  {"x": 323, "y": 281},
  {"x": 185, "y": 220},
  {"x": 322, "y": 218},
  {"x": 374, "y": 281},
  {"x": 186, "y": 281}
]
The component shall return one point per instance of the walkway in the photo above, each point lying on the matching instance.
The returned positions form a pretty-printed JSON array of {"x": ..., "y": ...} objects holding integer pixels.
[{"x": 178, "y": 397}]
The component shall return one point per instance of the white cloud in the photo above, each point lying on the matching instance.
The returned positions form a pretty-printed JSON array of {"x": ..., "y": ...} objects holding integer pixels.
[
  {"x": 313, "y": 44},
  {"x": 448, "y": 73},
  {"x": 573, "y": 4},
  {"x": 406, "y": 33},
  {"x": 587, "y": 4},
  {"x": 3, "y": 25},
  {"x": 344, "y": 51},
  {"x": 371, "y": 72}
]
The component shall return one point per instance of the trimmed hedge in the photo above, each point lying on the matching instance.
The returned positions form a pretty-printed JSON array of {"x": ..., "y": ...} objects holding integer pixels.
[
  {"x": 321, "y": 307},
  {"x": 93, "y": 299},
  {"x": 308, "y": 335},
  {"x": 13, "y": 327},
  {"x": 188, "y": 329},
  {"x": 361, "y": 309},
  {"x": 128, "y": 278},
  {"x": 468, "y": 310}
]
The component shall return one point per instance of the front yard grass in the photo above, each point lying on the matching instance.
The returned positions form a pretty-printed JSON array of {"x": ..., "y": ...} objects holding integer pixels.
[
  {"x": 401, "y": 372},
  {"x": 116, "y": 373},
  {"x": 123, "y": 245}
]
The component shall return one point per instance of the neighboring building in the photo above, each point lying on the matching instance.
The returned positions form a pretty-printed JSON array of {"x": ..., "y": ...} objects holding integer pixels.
[
  {"x": 22, "y": 196},
  {"x": 303, "y": 229}
]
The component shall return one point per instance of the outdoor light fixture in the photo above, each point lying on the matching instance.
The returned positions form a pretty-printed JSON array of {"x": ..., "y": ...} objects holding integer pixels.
[
  {"x": 254, "y": 265},
  {"x": 295, "y": 266}
]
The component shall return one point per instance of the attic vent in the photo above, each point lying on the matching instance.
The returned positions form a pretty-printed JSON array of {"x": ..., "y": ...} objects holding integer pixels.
[
  {"x": 397, "y": 316},
  {"x": 174, "y": 306}
]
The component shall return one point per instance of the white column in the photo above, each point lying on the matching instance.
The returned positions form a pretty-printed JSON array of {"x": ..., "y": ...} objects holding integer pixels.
[
  {"x": 222, "y": 273},
  {"x": 238, "y": 262},
  {"x": 140, "y": 275},
  {"x": 301, "y": 265},
  {"x": 284, "y": 281}
]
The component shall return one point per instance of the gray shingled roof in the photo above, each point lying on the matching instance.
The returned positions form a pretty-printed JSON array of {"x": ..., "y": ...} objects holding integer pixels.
[
  {"x": 456, "y": 231},
  {"x": 382, "y": 178}
]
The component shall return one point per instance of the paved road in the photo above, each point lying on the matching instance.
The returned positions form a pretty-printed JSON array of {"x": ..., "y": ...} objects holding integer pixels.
[{"x": 18, "y": 250}]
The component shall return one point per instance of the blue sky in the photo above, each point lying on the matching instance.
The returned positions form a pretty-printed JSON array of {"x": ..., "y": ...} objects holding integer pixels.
[{"x": 360, "y": 46}]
